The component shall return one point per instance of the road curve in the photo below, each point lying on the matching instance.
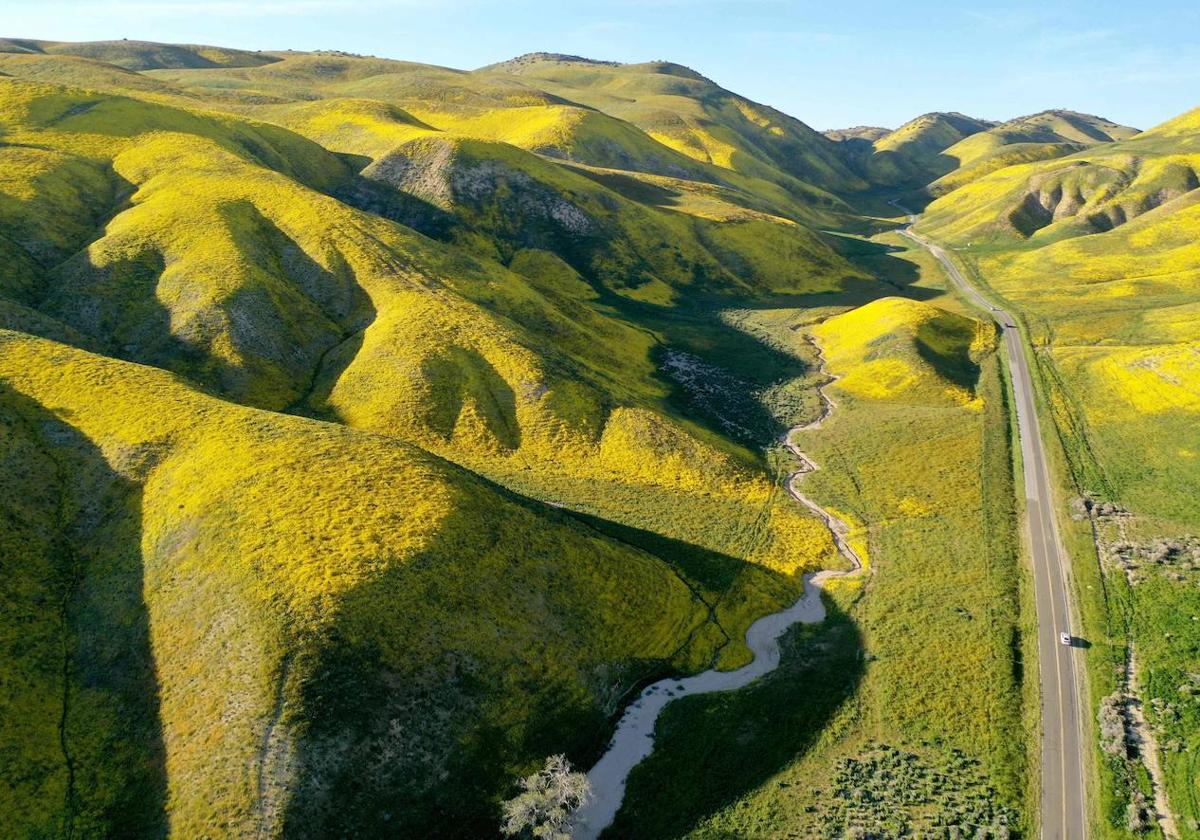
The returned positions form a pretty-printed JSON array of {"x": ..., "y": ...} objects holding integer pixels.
[
  {"x": 1064, "y": 808},
  {"x": 633, "y": 740}
]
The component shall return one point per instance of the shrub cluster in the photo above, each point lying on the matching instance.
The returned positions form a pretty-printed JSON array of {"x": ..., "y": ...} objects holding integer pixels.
[{"x": 888, "y": 792}]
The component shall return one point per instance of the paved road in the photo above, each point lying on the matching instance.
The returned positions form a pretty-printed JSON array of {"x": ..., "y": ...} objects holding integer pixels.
[{"x": 1063, "y": 806}]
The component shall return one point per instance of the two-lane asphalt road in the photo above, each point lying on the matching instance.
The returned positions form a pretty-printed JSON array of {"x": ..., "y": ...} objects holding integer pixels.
[{"x": 1063, "y": 796}]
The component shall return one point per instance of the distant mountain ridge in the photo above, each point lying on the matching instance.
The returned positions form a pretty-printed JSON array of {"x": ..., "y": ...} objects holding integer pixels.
[
  {"x": 537, "y": 57},
  {"x": 142, "y": 55},
  {"x": 1046, "y": 134},
  {"x": 911, "y": 155},
  {"x": 692, "y": 114},
  {"x": 869, "y": 133},
  {"x": 686, "y": 114},
  {"x": 940, "y": 151}
]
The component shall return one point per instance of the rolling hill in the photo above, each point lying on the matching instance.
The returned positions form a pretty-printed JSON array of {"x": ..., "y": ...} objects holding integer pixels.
[
  {"x": 911, "y": 155},
  {"x": 318, "y": 582},
  {"x": 140, "y": 55},
  {"x": 567, "y": 108},
  {"x": 940, "y": 152},
  {"x": 285, "y": 446},
  {"x": 1093, "y": 190},
  {"x": 690, "y": 113},
  {"x": 1048, "y": 134}
]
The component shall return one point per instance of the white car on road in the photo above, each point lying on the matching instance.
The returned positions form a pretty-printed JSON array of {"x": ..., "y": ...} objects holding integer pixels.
[{"x": 1065, "y": 638}]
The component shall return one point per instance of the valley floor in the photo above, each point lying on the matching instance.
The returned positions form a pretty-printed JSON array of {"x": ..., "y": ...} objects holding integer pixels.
[{"x": 908, "y": 708}]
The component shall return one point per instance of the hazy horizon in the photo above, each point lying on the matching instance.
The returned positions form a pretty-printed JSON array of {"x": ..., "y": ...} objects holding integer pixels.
[{"x": 879, "y": 64}]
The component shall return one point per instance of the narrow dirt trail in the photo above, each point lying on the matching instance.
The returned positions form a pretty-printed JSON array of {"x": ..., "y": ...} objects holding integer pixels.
[
  {"x": 1148, "y": 749},
  {"x": 633, "y": 740}
]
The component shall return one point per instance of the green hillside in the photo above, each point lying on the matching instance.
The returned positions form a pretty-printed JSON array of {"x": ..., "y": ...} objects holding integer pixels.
[
  {"x": 351, "y": 605},
  {"x": 937, "y": 153},
  {"x": 140, "y": 55},
  {"x": 1040, "y": 136},
  {"x": 215, "y": 273},
  {"x": 1093, "y": 190},
  {"x": 913, "y": 154},
  {"x": 688, "y": 112},
  {"x": 541, "y": 105},
  {"x": 277, "y": 295}
]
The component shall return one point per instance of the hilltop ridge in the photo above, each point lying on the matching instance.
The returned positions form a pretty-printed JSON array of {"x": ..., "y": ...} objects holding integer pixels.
[
  {"x": 142, "y": 55},
  {"x": 910, "y": 156},
  {"x": 526, "y": 59}
]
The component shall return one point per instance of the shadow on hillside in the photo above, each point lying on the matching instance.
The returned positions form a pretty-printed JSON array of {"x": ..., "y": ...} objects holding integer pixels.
[
  {"x": 711, "y": 750},
  {"x": 117, "y": 305},
  {"x": 958, "y": 368},
  {"x": 916, "y": 199},
  {"x": 757, "y": 366},
  {"x": 634, "y": 189},
  {"x": 709, "y": 569},
  {"x": 110, "y": 309},
  {"x": 894, "y": 276},
  {"x": 114, "y": 758},
  {"x": 933, "y": 167},
  {"x": 876, "y": 208},
  {"x": 382, "y": 199},
  {"x": 301, "y": 320},
  {"x": 292, "y": 322},
  {"x": 726, "y": 395},
  {"x": 464, "y": 377},
  {"x": 425, "y": 740},
  {"x": 730, "y": 400}
]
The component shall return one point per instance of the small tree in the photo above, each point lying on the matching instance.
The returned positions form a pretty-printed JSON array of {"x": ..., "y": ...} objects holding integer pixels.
[{"x": 546, "y": 802}]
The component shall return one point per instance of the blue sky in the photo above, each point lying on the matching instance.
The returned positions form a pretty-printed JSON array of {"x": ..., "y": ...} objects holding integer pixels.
[{"x": 832, "y": 64}]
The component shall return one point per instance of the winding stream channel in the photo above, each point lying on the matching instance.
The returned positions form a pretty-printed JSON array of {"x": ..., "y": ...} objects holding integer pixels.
[{"x": 634, "y": 736}]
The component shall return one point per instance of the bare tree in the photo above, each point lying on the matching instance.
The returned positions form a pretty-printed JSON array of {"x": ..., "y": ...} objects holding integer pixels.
[{"x": 546, "y": 802}]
